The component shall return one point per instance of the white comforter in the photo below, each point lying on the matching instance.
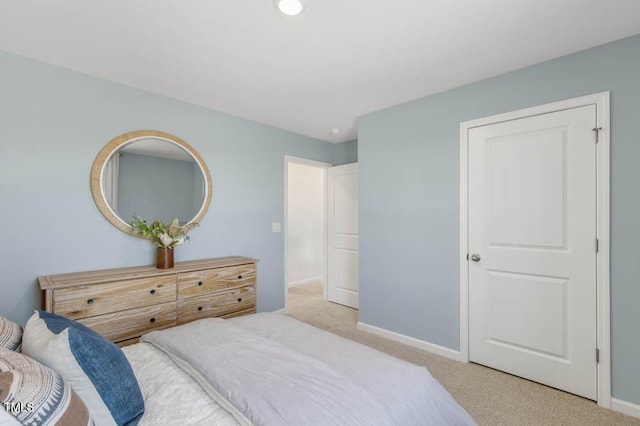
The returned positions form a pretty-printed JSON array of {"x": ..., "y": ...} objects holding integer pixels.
[
  {"x": 171, "y": 397},
  {"x": 271, "y": 369}
]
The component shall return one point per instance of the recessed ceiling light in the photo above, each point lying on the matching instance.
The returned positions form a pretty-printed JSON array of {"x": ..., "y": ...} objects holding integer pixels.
[
  {"x": 289, "y": 7},
  {"x": 335, "y": 130}
]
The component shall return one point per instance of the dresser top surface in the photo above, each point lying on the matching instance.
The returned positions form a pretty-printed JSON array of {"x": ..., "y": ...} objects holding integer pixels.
[{"x": 50, "y": 282}]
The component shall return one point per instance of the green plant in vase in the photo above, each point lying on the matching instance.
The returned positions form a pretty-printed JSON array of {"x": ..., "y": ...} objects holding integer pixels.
[{"x": 165, "y": 237}]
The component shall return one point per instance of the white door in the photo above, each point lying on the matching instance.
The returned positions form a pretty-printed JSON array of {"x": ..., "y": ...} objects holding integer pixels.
[
  {"x": 532, "y": 248},
  {"x": 342, "y": 221}
]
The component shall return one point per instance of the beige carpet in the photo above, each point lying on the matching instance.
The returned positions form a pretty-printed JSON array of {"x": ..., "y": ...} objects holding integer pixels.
[{"x": 490, "y": 396}]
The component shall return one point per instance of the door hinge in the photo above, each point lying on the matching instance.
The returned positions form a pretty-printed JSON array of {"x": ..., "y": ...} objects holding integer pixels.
[
  {"x": 467, "y": 257},
  {"x": 597, "y": 245},
  {"x": 597, "y": 355},
  {"x": 597, "y": 130}
]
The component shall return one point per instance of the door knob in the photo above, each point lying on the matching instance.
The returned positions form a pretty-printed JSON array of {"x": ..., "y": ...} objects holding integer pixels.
[{"x": 475, "y": 257}]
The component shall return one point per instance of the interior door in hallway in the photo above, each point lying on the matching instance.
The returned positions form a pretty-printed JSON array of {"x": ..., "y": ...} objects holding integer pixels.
[
  {"x": 343, "y": 235},
  {"x": 532, "y": 248}
]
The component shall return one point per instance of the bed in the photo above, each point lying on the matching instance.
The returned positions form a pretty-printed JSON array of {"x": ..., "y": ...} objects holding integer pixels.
[
  {"x": 394, "y": 391},
  {"x": 261, "y": 369}
]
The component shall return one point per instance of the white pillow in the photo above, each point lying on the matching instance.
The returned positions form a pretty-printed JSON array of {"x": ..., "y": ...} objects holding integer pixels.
[{"x": 94, "y": 367}]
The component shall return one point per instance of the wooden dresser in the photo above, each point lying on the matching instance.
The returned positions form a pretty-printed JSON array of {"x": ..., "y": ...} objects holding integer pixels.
[{"x": 122, "y": 304}]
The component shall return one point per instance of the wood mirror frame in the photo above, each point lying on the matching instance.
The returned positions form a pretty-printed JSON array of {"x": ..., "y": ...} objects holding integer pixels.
[{"x": 109, "y": 149}]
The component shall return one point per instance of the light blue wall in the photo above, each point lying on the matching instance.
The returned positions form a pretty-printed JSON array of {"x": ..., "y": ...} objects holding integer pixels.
[
  {"x": 409, "y": 191},
  {"x": 53, "y": 123},
  {"x": 345, "y": 152},
  {"x": 158, "y": 188}
]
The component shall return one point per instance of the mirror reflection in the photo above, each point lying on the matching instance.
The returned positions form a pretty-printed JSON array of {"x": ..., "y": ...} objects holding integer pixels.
[
  {"x": 155, "y": 179},
  {"x": 151, "y": 174}
]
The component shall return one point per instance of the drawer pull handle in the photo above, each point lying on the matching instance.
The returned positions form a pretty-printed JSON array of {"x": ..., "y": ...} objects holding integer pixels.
[
  {"x": 239, "y": 277},
  {"x": 152, "y": 320},
  {"x": 200, "y": 283},
  {"x": 90, "y": 301},
  {"x": 199, "y": 308},
  {"x": 153, "y": 291},
  {"x": 239, "y": 299}
]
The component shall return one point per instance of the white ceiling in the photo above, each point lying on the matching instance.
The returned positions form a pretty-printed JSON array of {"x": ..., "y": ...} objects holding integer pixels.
[{"x": 308, "y": 74}]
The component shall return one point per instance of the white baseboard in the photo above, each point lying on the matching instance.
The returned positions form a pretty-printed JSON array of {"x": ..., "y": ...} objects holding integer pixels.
[
  {"x": 280, "y": 311},
  {"x": 625, "y": 407},
  {"x": 412, "y": 341},
  {"x": 305, "y": 281}
]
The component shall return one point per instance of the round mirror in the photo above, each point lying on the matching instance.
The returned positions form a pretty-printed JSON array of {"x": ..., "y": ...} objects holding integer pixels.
[{"x": 151, "y": 174}]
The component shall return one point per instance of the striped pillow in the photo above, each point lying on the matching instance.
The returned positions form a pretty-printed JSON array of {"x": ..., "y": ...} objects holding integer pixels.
[
  {"x": 10, "y": 335},
  {"x": 33, "y": 394}
]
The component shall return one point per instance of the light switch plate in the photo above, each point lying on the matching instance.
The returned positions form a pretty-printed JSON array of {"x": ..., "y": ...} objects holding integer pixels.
[{"x": 275, "y": 227}]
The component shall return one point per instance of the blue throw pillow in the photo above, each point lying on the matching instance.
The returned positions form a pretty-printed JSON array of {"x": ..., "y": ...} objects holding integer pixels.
[{"x": 94, "y": 367}]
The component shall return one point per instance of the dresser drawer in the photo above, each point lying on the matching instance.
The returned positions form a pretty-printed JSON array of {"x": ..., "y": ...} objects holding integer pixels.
[
  {"x": 91, "y": 300},
  {"x": 221, "y": 303},
  {"x": 133, "y": 323},
  {"x": 239, "y": 313},
  {"x": 201, "y": 282}
]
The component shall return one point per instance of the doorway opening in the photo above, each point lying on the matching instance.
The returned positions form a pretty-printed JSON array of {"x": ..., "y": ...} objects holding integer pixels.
[{"x": 305, "y": 226}]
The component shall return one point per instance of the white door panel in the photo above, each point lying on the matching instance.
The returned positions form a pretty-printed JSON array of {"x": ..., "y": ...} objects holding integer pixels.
[
  {"x": 346, "y": 270},
  {"x": 516, "y": 198},
  {"x": 513, "y": 306},
  {"x": 532, "y": 221},
  {"x": 343, "y": 235},
  {"x": 345, "y": 199}
]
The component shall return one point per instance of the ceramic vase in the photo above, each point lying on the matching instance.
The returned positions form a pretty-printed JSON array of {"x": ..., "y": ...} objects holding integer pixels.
[{"x": 164, "y": 258}]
